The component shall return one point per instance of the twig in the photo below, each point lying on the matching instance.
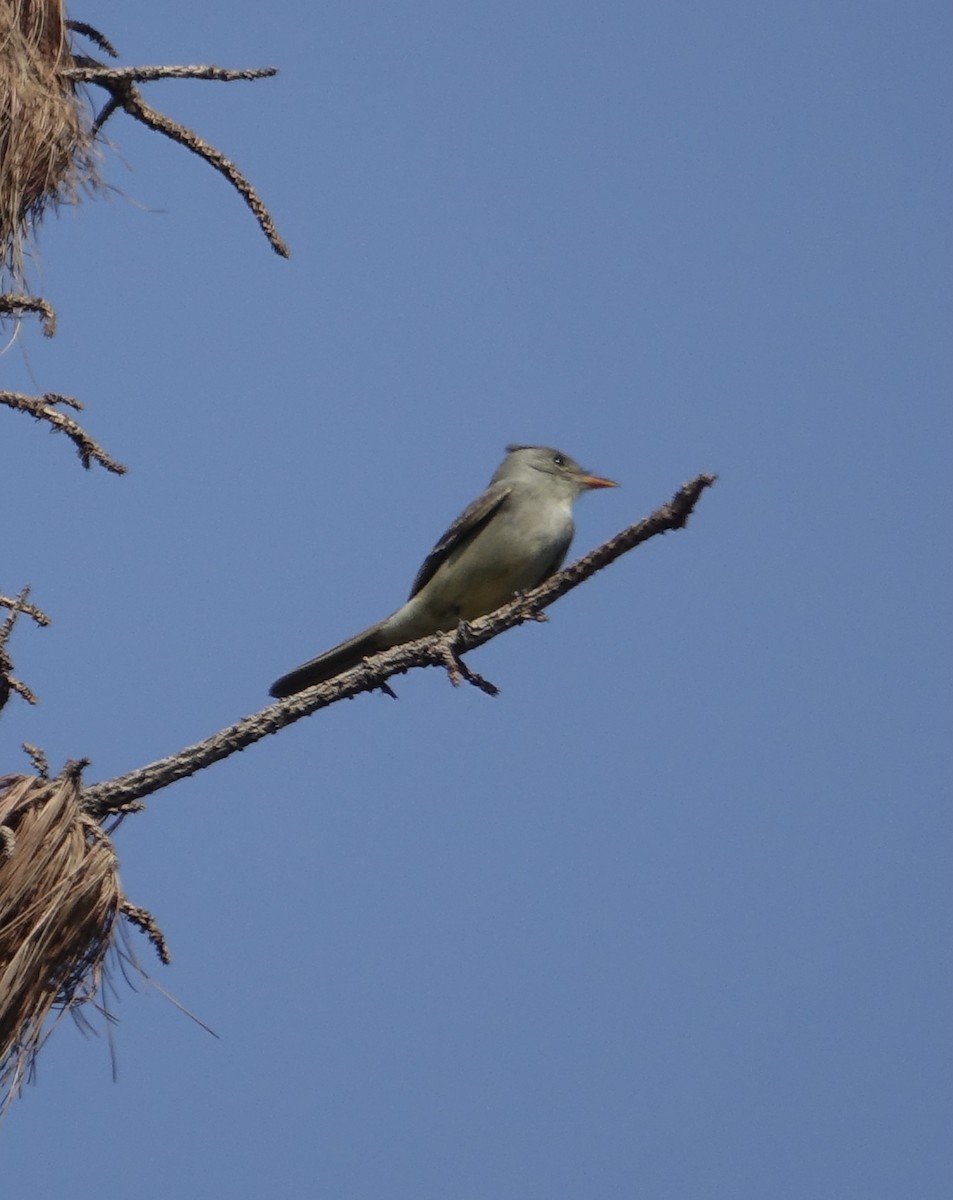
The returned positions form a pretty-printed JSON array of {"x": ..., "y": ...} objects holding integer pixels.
[
  {"x": 97, "y": 38},
  {"x": 38, "y": 760},
  {"x": 19, "y": 605},
  {"x": 144, "y": 920},
  {"x": 8, "y": 682},
  {"x": 457, "y": 669},
  {"x": 43, "y": 409},
  {"x": 89, "y": 71},
  {"x": 102, "y": 798}
]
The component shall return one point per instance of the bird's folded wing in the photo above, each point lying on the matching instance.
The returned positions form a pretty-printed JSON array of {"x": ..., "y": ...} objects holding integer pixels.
[{"x": 464, "y": 529}]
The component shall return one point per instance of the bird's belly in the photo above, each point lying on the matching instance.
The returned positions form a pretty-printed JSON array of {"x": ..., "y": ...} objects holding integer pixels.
[
  {"x": 487, "y": 572},
  {"x": 496, "y": 585}
]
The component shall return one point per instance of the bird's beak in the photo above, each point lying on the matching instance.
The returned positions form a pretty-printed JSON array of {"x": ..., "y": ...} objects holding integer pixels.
[{"x": 596, "y": 481}]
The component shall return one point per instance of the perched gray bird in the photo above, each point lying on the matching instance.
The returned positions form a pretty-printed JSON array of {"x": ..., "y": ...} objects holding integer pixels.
[{"x": 510, "y": 539}]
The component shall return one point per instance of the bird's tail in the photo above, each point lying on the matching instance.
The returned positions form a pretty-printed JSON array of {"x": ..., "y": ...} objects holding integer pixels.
[{"x": 340, "y": 658}]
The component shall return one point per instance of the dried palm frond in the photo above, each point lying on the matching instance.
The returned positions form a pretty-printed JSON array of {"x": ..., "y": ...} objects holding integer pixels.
[
  {"x": 59, "y": 900},
  {"x": 46, "y": 140}
]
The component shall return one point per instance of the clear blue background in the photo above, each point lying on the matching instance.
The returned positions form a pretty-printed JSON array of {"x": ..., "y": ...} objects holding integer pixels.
[{"x": 668, "y": 918}]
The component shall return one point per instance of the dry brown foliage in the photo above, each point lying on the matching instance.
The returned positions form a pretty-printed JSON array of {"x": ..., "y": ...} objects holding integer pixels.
[
  {"x": 46, "y": 141},
  {"x": 59, "y": 900}
]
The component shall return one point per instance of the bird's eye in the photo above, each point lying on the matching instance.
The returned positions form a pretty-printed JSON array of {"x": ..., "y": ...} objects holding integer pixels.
[{"x": 559, "y": 460}]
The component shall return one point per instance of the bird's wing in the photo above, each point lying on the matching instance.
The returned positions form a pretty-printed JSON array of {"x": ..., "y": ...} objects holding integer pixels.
[{"x": 465, "y": 527}]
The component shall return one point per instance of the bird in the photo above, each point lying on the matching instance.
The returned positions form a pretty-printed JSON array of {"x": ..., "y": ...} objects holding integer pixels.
[{"x": 514, "y": 535}]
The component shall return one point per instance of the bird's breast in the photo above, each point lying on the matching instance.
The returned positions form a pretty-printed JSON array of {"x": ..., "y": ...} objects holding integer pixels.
[{"x": 515, "y": 552}]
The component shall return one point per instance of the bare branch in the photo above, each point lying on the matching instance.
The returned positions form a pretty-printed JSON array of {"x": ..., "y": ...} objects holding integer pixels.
[
  {"x": 88, "y": 71},
  {"x": 439, "y": 649},
  {"x": 14, "y": 303},
  {"x": 9, "y": 683},
  {"x": 19, "y": 605},
  {"x": 43, "y": 408},
  {"x": 119, "y": 82}
]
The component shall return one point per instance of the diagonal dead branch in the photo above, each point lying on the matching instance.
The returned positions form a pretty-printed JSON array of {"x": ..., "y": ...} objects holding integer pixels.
[
  {"x": 43, "y": 408},
  {"x": 108, "y": 796}
]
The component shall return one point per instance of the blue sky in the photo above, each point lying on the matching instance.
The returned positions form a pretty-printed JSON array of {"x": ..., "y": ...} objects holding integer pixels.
[{"x": 670, "y": 916}]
